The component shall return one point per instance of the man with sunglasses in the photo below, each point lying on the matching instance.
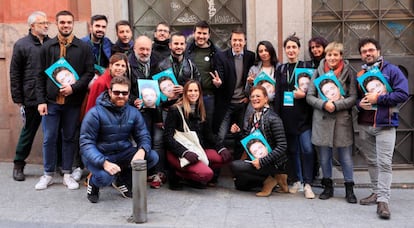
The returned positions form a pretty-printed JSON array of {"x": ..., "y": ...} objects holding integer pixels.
[{"x": 106, "y": 148}]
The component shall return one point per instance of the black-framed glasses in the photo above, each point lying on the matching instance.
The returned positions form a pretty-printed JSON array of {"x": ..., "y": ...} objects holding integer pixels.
[{"x": 118, "y": 92}]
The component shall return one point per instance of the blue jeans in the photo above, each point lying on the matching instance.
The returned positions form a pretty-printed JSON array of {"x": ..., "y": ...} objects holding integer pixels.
[
  {"x": 101, "y": 178},
  {"x": 302, "y": 145},
  {"x": 234, "y": 114},
  {"x": 209, "y": 104},
  {"x": 345, "y": 159},
  {"x": 68, "y": 117},
  {"x": 378, "y": 149}
]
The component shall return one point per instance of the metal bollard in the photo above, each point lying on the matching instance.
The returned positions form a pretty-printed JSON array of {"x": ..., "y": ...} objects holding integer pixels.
[{"x": 139, "y": 191}]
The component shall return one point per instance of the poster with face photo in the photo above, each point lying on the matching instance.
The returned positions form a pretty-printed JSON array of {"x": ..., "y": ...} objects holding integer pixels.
[
  {"x": 62, "y": 73},
  {"x": 149, "y": 93},
  {"x": 267, "y": 82},
  {"x": 303, "y": 77},
  {"x": 329, "y": 88},
  {"x": 166, "y": 82},
  {"x": 373, "y": 81},
  {"x": 256, "y": 145}
]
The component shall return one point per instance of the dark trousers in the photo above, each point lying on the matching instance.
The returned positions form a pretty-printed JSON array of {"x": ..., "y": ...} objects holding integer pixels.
[
  {"x": 246, "y": 176},
  {"x": 27, "y": 134}
]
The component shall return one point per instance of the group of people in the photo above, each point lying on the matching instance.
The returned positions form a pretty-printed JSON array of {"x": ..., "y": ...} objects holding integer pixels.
[{"x": 98, "y": 121}]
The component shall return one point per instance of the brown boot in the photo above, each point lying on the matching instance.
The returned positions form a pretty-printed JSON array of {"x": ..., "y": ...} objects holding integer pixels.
[
  {"x": 282, "y": 182},
  {"x": 268, "y": 186}
]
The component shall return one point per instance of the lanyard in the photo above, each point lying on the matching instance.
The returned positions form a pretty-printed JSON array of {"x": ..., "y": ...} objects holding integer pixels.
[
  {"x": 97, "y": 58},
  {"x": 291, "y": 77}
]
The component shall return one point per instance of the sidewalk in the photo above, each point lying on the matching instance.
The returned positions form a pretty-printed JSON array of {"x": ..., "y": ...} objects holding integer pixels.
[{"x": 22, "y": 206}]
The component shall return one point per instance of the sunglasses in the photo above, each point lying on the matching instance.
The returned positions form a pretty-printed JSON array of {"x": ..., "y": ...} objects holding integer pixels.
[{"x": 117, "y": 93}]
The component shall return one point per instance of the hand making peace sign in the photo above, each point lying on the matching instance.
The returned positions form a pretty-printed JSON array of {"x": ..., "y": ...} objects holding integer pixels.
[{"x": 216, "y": 79}]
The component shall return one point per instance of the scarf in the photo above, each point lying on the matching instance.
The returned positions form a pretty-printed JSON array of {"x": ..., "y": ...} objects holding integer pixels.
[
  {"x": 336, "y": 71},
  {"x": 257, "y": 119},
  {"x": 64, "y": 42},
  {"x": 378, "y": 64}
]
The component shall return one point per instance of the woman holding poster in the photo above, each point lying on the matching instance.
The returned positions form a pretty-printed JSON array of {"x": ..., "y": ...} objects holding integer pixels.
[
  {"x": 332, "y": 120},
  {"x": 268, "y": 170}
]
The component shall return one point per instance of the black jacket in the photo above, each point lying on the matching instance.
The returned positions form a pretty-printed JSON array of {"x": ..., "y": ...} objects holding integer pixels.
[
  {"x": 226, "y": 90},
  {"x": 187, "y": 72},
  {"x": 204, "y": 133},
  {"x": 137, "y": 73},
  {"x": 24, "y": 69},
  {"x": 216, "y": 58},
  {"x": 161, "y": 48},
  {"x": 296, "y": 118},
  {"x": 272, "y": 129},
  {"x": 79, "y": 56}
]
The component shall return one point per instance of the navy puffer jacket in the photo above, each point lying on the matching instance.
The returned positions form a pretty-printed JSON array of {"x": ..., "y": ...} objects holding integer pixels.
[{"x": 106, "y": 130}]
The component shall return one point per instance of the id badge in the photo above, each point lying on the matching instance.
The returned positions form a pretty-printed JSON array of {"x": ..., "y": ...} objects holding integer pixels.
[{"x": 288, "y": 98}]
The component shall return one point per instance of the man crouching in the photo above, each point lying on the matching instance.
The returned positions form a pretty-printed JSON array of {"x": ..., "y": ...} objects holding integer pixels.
[{"x": 106, "y": 148}]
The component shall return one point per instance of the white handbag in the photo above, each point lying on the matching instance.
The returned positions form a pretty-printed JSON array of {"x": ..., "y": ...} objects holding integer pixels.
[{"x": 189, "y": 140}]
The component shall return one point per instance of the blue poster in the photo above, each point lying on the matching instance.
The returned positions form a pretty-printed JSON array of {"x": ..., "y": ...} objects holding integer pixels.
[
  {"x": 149, "y": 93},
  {"x": 166, "y": 82},
  {"x": 62, "y": 73},
  {"x": 329, "y": 88},
  {"x": 256, "y": 145}
]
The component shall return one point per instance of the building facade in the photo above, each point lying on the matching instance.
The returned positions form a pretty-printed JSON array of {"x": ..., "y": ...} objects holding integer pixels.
[{"x": 345, "y": 21}]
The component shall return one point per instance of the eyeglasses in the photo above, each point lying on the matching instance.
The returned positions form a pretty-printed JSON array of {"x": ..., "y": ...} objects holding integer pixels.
[
  {"x": 43, "y": 23},
  {"x": 163, "y": 30},
  {"x": 370, "y": 50},
  {"x": 117, "y": 93}
]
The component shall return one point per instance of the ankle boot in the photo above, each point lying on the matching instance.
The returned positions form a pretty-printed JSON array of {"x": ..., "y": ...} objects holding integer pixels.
[
  {"x": 328, "y": 189},
  {"x": 349, "y": 192},
  {"x": 18, "y": 174},
  {"x": 281, "y": 180},
  {"x": 268, "y": 186}
]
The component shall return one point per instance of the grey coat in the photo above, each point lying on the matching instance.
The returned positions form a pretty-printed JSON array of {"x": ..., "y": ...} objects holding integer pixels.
[{"x": 333, "y": 129}]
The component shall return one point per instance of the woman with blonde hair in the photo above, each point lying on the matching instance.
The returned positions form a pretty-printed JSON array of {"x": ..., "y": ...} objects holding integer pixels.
[{"x": 332, "y": 126}]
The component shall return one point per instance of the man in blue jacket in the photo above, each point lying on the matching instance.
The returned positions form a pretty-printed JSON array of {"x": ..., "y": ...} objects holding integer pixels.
[
  {"x": 99, "y": 43},
  {"x": 106, "y": 148},
  {"x": 378, "y": 126}
]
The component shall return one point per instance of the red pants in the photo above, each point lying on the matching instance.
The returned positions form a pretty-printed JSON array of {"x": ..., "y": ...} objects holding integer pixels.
[{"x": 199, "y": 171}]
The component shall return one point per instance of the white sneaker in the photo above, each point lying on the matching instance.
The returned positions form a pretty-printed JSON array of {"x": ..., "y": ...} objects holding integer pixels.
[
  {"x": 296, "y": 187},
  {"x": 307, "y": 190},
  {"x": 44, "y": 181},
  {"x": 70, "y": 182},
  {"x": 77, "y": 174}
]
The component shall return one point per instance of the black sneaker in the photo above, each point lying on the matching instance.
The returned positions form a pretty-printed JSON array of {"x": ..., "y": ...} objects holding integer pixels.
[
  {"x": 123, "y": 189},
  {"x": 92, "y": 193}
]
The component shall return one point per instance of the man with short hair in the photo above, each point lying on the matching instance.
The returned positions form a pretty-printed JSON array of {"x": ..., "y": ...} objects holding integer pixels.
[
  {"x": 162, "y": 39},
  {"x": 183, "y": 68},
  {"x": 208, "y": 59},
  {"x": 60, "y": 106},
  {"x": 232, "y": 105},
  {"x": 24, "y": 68},
  {"x": 378, "y": 126},
  {"x": 105, "y": 142},
  {"x": 99, "y": 43},
  {"x": 125, "y": 43}
]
